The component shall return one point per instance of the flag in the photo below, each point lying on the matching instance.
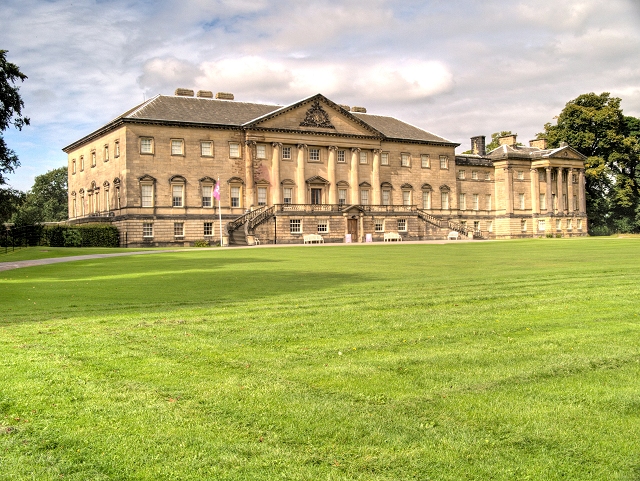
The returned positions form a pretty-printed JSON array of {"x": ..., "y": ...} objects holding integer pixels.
[{"x": 216, "y": 192}]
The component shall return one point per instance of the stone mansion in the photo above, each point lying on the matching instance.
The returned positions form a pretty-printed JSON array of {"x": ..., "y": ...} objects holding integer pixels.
[{"x": 312, "y": 167}]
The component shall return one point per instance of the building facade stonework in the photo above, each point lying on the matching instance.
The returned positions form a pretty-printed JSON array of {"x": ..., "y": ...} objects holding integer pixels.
[{"x": 312, "y": 167}]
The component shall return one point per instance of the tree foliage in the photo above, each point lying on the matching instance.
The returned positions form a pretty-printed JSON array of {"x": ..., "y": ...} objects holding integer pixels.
[
  {"x": 595, "y": 126},
  {"x": 10, "y": 202},
  {"x": 47, "y": 199},
  {"x": 11, "y": 105}
]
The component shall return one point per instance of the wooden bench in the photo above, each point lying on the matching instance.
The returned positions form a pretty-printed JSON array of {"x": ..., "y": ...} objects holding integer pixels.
[
  {"x": 453, "y": 235},
  {"x": 392, "y": 236},
  {"x": 311, "y": 238}
]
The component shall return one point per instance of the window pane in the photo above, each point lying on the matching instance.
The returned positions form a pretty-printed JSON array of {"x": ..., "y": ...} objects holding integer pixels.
[
  {"x": 147, "y": 196},
  {"x": 364, "y": 197},
  {"x": 286, "y": 153},
  {"x": 288, "y": 192},
  {"x": 206, "y": 148},
  {"x": 207, "y": 192},
  {"x": 341, "y": 157},
  {"x": 314, "y": 155},
  {"x": 176, "y": 147},
  {"x": 262, "y": 196},
  {"x": 145, "y": 145},
  {"x": 406, "y": 197},
  {"x": 235, "y": 196},
  {"x": 177, "y": 195},
  {"x": 363, "y": 157},
  {"x": 384, "y": 160},
  {"x": 386, "y": 197},
  {"x": 234, "y": 150},
  {"x": 261, "y": 151}
]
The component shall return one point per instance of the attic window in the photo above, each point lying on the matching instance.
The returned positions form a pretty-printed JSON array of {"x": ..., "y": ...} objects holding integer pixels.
[
  {"x": 146, "y": 145},
  {"x": 341, "y": 157}
]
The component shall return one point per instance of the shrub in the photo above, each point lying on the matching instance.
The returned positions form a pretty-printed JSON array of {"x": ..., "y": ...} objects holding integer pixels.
[
  {"x": 549, "y": 235},
  {"x": 559, "y": 235},
  {"x": 86, "y": 235},
  {"x": 72, "y": 238},
  {"x": 201, "y": 243}
]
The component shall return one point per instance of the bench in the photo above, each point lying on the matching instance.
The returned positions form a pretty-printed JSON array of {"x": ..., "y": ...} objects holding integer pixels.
[
  {"x": 311, "y": 238},
  {"x": 453, "y": 235},
  {"x": 392, "y": 236}
]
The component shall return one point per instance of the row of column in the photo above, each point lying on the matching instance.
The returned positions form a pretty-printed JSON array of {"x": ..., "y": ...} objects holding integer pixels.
[
  {"x": 535, "y": 190},
  {"x": 354, "y": 181}
]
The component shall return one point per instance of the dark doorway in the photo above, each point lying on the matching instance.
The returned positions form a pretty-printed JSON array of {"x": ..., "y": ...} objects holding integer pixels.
[
  {"x": 352, "y": 228},
  {"x": 316, "y": 196}
]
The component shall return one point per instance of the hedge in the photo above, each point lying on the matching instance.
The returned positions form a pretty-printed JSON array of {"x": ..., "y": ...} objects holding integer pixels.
[{"x": 84, "y": 235}]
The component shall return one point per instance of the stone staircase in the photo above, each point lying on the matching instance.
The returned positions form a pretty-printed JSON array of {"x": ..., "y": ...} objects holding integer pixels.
[
  {"x": 447, "y": 224},
  {"x": 239, "y": 229}
]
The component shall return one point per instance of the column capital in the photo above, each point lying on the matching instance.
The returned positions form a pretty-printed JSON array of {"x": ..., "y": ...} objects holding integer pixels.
[
  {"x": 570, "y": 169},
  {"x": 533, "y": 169},
  {"x": 301, "y": 146},
  {"x": 250, "y": 143},
  {"x": 548, "y": 168},
  {"x": 277, "y": 145},
  {"x": 332, "y": 148},
  {"x": 377, "y": 151},
  {"x": 355, "y": 149}
]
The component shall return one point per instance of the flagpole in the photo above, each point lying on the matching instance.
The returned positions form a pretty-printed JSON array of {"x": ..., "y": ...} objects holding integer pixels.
[{"x": 219, "y": 210}]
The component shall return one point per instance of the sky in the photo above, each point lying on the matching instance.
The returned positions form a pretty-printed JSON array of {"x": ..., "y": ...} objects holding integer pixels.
[{"x": 457, "y": 68}]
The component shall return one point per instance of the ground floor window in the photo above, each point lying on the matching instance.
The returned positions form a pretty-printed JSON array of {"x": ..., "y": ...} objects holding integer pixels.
[
  {"x": 579, "y": 224},
  {"x": 379, "y": 226},
  {"x": 476, "y": 226},
  {"x": 558, "y": 224},
  {"x": 490, "y": 226},
  {"x": 402, "y": 225},
  {"x": 147, "y": 229},
  {"x": 178, "y": 229},
  {"x": 523, "y": 225},
  {"x": 542, "y": 225},
  {"x": 323, "y": 227},
  {"x": 295, "y": 226},
  {"x": 569, "y": 224},
  {"x": 543, "y": 202},
  {"x": 208, "y": 228}
]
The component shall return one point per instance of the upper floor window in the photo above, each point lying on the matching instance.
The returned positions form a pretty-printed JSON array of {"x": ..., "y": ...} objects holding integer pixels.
[
  {"x": 261, "y": 151},
  {"x": 426, "y": 199},
  {"x": 574, "y": 178},
  {"x": 93, "y": 158},
  {"x": 487, "y": 176},
  {"x": 444, "y": 162},
  {"x": 314, "y": 155},
  {"x": 117, "y": 149},
  {"x": 234, "y": 149},
  {"x": 341, "y": 157},
  {"x": 364, "y": 197},
  {"x": 73, "y": 166},
  {"x": 406, "y": 197},
  {"x": 384, "y": 158},
  {"x": 177, "y": 195},
  {"x": 286, "y": 153},
  {"x": 106, "y": 153},
  {"x": 262, "y": 196},
  {"x": 235, "y": 196},
  {"x": 521, "y": 201},
  {"x": 147, "y": 195},
  {"x": 146, "y": 145},
  {"x": 476, "y": 202},
  {"x": 342, "y": 196},
  {"x": 207, "y": 196},
  {"x": 386, "y": 197},
  {"x": 363, "y": 157},
  {"x": 520, "y": 174},
  {"x": 553, "y": 175},
  {"x": 287, "y": 195},
  {"x": 444, "y": 200},
  {"x": 463, "y": 201},
  {"x": 404, "y": 160},
  {"x": 426, "y": 161},
  {"x": 81, "y": 163},
  {"x": 461, "y": 174},
  {"x": 474, "y": 174},
  {"x": 206, "y": 148},
  {"x": 177, "y": 147}
]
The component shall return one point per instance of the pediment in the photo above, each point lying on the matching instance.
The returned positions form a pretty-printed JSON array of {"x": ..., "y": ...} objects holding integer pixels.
[
  {"x": 316, "y": 179},
  {"x": 314, "y": 114},
  {"x": 566, "y": 152}
]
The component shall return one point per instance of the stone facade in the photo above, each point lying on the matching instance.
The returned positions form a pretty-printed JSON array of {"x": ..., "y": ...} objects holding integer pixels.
[{"x": 307, "y": 168}]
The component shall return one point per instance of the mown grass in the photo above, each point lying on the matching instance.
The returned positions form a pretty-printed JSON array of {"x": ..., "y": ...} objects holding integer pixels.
[
  {"x": 503, "y": 360},
  {"x": 45, "y": 252}
]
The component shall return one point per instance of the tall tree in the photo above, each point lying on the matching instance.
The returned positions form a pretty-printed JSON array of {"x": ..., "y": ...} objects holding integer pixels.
[
  {"x": 47, "y": 199},
  {"x": 495, "y": 140},
  {"x": 10, "y": 202},
  {"x": 595, "y": 126},
  {"x": 11, "y": 105}
]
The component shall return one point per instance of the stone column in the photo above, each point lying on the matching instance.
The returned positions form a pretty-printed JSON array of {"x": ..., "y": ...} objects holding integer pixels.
[
  {"x": 549, "y": 195},
  {"x": 353, "y": 179},
  {"x": 375, "y": 177},
  {"x": 582, "y": 199},
  {"x": 301, "y": 188},
  {"x": 276, "y": 192},
  {"x": 331, "y": 173},
  {"x": 570, "y": 190},
  {"x": 535, "y": 192},
  {"x": 559, "y": 193},
  {"x": 249, "y": 199},
  {"x": 508, "y": 190}
]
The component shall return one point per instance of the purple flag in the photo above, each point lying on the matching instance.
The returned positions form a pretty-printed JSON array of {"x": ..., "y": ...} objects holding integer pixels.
[{"x": 216, "y": 192}]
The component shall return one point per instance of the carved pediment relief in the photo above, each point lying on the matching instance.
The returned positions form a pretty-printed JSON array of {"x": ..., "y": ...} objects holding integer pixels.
[
  {"x": 316, "y": 179},
  {"x": 146, "y": 178},
  {"x": 365, "y": 184},
  {"x": 444, "y": 188},
  {"x": 386, "y": 185},
  {"x": 343, "y": 183},
  {"x": 288, "y": 182},
  {"x": 406, "y": 187},
  {"x": 207, "y": 180},
  {"x": 426, "y": 187},
  {"x": 316, "y": 116},
  {"x": 235, "y": 180},
  {"x": 178, "y": 179}
]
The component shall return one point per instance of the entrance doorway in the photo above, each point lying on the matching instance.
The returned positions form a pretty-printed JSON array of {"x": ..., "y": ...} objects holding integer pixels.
[
  {"x": 352, "y": 228},
  {"x": 316, "y": 196}
]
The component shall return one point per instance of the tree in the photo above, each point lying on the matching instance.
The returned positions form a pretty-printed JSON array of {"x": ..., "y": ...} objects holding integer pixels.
[
  {"x": 10, "y": 202},
  {"x": 11, "y": 105},
  {"x": 595, "y": 126},
  {"x": 46, "y": 201}
]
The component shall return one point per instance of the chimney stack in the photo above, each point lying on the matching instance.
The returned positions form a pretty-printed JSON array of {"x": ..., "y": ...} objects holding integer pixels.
[
  {"x": 509, "y": 140},
  {"x": 478, "y": 145},
  {"x": 224, "y": 96},
  {"x": 361, "y": 110},
  {"x": 205, "y": 94},
  {"x": 184, "y": 92},
  {"x": 538, "y": 144}
]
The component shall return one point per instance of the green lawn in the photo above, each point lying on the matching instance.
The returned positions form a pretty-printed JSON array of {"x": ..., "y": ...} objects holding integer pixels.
[
  {"x": 44, "y": 252},
  {"x": 493, "y": 360}
]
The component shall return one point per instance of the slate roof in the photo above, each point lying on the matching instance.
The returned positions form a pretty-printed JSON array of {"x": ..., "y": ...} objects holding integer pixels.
[
  {"x": 234, "y": 114},
  {"x": 521, "y": 152},
  {"x": 473, "y": 160},
  {"x": 397, "y": 129}
]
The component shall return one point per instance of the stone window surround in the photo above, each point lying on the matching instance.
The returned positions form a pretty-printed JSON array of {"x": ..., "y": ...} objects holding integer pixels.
[
  {"x": 425, "y": 161},
  {"x": 211, "y": 183},
  {"x": 238, "y": 183},
  {"x": 171, "y": 143},
  {"x": 178, "y": 181},
  {"x": 405, "y": 159},
  {"x": 238, "y": 145},
  {"x": 148, "y": 180},
  {"x": 151, "y": 145},
  {"x": 212, "y": 154}
]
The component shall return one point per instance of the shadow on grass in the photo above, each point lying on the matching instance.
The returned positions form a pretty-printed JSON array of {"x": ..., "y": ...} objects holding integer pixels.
[{"x": 94, "y": 288}]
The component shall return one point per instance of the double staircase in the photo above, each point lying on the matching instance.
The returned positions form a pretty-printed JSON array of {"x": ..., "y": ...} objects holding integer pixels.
[
  {"x": 447, "y": 224},
  {"x": 239, "y": 229}
]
